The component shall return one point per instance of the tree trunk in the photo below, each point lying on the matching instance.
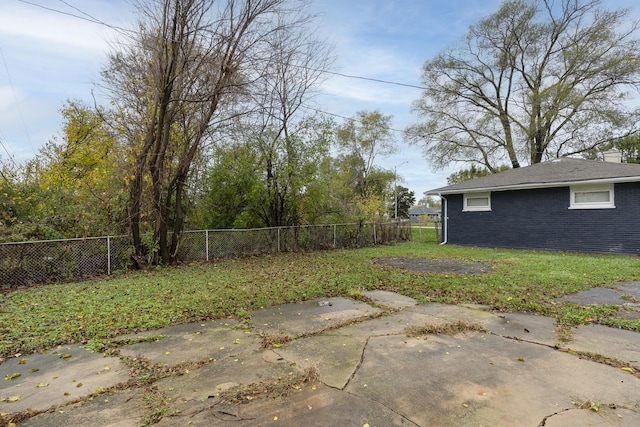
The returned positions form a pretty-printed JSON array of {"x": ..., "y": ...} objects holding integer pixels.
[
  {"x": 178, "y": 221},
  {"x": 135, "y": 192}
]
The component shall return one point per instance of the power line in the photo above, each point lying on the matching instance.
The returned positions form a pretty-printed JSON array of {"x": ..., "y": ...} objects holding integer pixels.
[
  {"x": 317, "y": 110},
  {"x": 83, "y": 12},
  {"x": 51, "y": 9},
  {"x": 92, "y": 19},
  {"x": 389, "y": 82},
  {"x": 8, "y": 153},
  {"x": 87, "y": 17}
]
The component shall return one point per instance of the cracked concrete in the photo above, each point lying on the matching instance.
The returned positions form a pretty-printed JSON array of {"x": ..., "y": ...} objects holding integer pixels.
[
  {"x": 368, "y": 372},
  {"x": 623, "y": 294},
  {"x": 585, "y": 417}
]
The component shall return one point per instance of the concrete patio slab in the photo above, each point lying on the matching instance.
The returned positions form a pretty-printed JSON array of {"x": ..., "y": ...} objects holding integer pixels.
[
  {"x": 615, "y": 343},
  {"x": 525, "y": 327},
  {"x": 125, "y": 408},
  {"x": 368, "y": 370},
  {"x": 195, "y": 342},
  {"x": 309, "y": 317},
  {"x": 479, "y": 379},
  {"x": 390, "y": 299},
  {"x": 42, "y": 381},
  {"x": 314, "y": 406},
  {"x": 629, "y": 288}
]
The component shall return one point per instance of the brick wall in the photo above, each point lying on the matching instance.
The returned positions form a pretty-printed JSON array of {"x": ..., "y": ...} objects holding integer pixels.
[{"x": 540, "y": 219}]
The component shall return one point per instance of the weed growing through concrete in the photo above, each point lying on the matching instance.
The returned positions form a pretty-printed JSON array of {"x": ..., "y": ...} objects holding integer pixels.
[
  {"x": 280, "y": 386},
  {"x": 564, "y": 333},
  {"x": 275, "y": 340},
  {"x": 110, "y": 345},
  {"x": 451, "y": 329},
  {"x": 158, "y": 403}
]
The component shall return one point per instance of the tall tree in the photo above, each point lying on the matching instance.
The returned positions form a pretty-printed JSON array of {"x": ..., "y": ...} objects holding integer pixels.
[
  {"x": 429, "y": 201},
  {"x": 330, "y": 193},
  {"x": 190, "y": 63},
  {"x": 472, "y": 172},
  {"x": 229, "y": 188},
  {"x": 288, "y": 164},
  {"x": 405, "y": 199},
  {"x": 629, "y": 148},
  {"x": 361, "y": 140},
  {"x": 76, "y": 179},
  {"x": 15, "y": 206},
  {"x": 290, "y": 146},
  {"x": 538, "y": 79},
  {"x": 265, "y": 180}
]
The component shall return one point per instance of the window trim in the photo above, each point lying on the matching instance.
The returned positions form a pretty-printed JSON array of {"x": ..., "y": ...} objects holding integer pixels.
[
  {"x": 467, "y": 208},
  {"x": 592, "y": 205}
]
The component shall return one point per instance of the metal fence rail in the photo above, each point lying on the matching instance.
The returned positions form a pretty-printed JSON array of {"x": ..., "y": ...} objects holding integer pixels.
[{"x": 46, "y": 261}]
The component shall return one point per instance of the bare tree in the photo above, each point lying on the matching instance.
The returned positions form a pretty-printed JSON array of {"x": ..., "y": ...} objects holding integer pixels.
[
  {"x": 536, "y": 80},
  {"x": 282, "y": 135},
  {"x": 189, "y": 65}
]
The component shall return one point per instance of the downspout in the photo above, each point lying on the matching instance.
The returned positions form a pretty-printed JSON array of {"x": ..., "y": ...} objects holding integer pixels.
[{"x": 445, "y": 219}]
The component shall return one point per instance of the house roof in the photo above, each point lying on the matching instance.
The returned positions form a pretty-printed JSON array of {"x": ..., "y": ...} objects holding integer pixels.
[
  {"x": 423, "y": 210},
  {"x": 560, "y": 172}
]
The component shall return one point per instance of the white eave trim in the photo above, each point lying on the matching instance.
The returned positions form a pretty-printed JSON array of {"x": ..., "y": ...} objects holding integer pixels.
[{"x": 538, "y": 185}]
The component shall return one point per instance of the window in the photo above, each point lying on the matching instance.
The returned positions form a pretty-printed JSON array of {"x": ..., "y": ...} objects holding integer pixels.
[
  {"x": 593, "y": 197},
  {"x": 477, "y": 202}
]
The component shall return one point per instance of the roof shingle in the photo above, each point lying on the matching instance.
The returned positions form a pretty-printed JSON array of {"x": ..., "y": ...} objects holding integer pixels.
[{"x": 554, "y": 173}]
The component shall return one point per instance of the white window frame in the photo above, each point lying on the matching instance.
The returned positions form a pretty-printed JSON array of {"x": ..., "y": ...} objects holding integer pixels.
[
  {"x": 610, "y": 204},
  {"x": 467, "y": 196}
]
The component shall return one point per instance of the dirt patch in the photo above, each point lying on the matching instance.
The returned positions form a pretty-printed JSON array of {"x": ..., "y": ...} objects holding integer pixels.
[{"x": 434, "y": 265}]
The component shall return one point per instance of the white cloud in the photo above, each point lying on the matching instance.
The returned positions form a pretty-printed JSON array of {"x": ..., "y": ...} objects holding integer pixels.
[
  {"x": 49, "y": 31},
  {"x": 6, "y": 100},
  {"x": 47, "y": 58},
  {"x": 51, "y": 57},
  {"x": 366, "y": 91}
]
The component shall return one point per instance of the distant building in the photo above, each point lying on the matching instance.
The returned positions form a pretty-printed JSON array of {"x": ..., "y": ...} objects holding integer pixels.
[{"x": 419, "y": 213}]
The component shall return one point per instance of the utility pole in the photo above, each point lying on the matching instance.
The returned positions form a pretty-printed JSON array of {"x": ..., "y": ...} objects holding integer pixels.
[{"x": 395, "y": 188}]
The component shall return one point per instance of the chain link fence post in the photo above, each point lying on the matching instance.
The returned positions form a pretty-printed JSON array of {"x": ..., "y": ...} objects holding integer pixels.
[
  {"x": 39, "y": 262},
  {"x": 375, "y": 237},
  {"x": 108, "y": 256},
  {"x": 206, "y": 239}
]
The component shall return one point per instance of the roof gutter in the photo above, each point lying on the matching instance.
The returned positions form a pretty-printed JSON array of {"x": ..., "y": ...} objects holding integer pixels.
[
  {"x": 445, "y": 215},
  {"x": 445, "y": 220},
  {"x": 539, "y": 185}
]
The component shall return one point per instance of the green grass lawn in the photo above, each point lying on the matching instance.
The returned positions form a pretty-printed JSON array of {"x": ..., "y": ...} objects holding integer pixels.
[
  {"x": 95, "y": 311},
  {"x": 424, "y": 233}
]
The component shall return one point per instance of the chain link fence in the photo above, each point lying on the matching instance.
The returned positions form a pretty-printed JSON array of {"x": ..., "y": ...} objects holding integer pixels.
[{"x": 26, "y": 263}]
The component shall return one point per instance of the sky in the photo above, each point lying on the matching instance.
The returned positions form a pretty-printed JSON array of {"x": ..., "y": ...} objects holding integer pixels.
[{"x": 48, "y": 57}]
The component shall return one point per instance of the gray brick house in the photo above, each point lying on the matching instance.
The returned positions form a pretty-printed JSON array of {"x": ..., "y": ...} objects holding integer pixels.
[{"x": 564, "y": 204}]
